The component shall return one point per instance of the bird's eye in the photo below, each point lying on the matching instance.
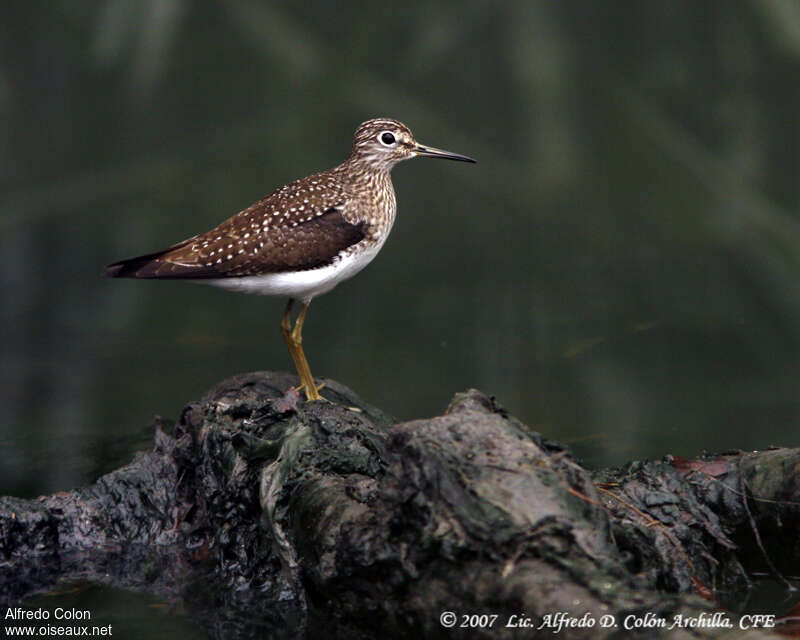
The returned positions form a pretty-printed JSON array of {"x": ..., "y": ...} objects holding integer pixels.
[{"x": 387, "y": 139}]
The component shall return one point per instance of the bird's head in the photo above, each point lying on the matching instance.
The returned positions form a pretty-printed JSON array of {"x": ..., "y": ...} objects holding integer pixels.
[{"x": 382, "y": 142}]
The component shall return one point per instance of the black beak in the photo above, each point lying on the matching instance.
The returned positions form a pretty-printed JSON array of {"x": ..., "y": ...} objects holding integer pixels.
[{"x": 432, "y": 152}]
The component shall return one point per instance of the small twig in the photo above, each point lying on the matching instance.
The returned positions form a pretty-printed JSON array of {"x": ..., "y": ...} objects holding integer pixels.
[
  {"x": 583, "y": 497},
  {"x": 793, "y": 503},
  {"x": 650, "y": 519},
  {"x": 652, "y": 522},
  {"x": 757, "y": 535}
]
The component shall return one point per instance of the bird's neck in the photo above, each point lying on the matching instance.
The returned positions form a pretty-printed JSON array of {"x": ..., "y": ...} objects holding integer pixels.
[{"x": 371, "y": 187}]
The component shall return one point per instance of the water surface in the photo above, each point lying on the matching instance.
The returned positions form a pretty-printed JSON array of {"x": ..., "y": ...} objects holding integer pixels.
[{"x": 620, "y": 269}]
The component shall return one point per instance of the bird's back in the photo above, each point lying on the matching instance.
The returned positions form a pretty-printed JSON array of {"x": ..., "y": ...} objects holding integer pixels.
[{"x": 297, "y": 227}]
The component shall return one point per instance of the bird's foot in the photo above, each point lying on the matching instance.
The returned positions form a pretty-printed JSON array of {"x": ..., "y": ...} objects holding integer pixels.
[{"x": 312, "y": 392}]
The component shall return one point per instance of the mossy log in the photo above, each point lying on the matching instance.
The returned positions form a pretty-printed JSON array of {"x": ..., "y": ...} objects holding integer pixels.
[{"x": 330, "y": 519}]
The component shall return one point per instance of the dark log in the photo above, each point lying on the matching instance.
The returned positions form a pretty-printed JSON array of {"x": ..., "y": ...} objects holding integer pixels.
[{"x": 329, "y": 519}]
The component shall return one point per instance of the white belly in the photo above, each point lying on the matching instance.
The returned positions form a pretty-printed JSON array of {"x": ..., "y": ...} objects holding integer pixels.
[{"x": 300, "y": 285}]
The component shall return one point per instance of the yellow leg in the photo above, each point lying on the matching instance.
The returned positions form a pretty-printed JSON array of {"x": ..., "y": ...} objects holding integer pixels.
[
  {"x": 303, "y": 370},
  {"x": 286, "y": 330},
  {"x": 294, "y": 340}
]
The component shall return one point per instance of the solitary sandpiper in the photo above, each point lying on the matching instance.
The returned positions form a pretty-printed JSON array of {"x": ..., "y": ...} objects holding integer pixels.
[{"x": 303, "y": 239}]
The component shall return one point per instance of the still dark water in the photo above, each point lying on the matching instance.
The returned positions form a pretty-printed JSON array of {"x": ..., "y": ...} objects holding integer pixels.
[{"x": 620, "y": 269}]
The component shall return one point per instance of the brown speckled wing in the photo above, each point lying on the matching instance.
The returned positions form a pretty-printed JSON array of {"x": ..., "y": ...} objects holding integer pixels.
[{"x": 298, "y": 227}]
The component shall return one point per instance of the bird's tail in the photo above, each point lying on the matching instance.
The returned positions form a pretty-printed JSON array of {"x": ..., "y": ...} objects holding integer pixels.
[
  {"x": 146, "y": 266},
  {"x": 133, "y": 267}
]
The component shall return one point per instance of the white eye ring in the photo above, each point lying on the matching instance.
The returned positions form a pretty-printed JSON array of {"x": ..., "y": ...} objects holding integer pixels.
[{"x": 387, "y": 138}]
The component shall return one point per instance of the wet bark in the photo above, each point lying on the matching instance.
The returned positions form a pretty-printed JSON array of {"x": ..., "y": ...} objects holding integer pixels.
[{"x": 330, "y": 520}]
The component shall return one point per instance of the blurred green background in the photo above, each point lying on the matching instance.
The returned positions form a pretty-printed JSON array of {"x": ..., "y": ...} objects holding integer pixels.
[{"x": 620, "y": 269}]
